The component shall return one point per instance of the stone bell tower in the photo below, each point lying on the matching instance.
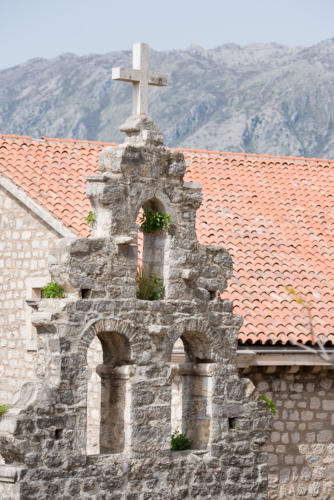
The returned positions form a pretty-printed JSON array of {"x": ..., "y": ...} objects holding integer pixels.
[{"x": 43, "y": 436}]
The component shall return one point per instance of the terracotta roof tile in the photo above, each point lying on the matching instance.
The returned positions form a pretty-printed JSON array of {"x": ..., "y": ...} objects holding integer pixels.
[{"x": 274, "y": 214}]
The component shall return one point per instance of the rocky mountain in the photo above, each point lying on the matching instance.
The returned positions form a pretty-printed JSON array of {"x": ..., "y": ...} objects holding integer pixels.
[{"x": 260, "y": 98}]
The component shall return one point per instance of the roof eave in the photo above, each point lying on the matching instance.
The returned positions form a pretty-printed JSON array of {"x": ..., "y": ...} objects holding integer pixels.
[{"x": 277, "y": 357}]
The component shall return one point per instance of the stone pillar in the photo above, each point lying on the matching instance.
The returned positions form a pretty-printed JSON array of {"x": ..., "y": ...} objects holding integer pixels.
[
  {"x": 197, "y": 402},
  {"x": 115, "y": 404},
  {"x": 9, "y": 481},
  {"x": 176, "y": 400}
]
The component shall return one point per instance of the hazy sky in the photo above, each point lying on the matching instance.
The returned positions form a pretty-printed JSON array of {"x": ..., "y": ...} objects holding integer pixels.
[{"x": 47, "y": 28}]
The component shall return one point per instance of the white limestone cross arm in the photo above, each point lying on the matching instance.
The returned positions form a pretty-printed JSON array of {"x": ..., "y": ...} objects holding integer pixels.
[
  {"x": 140, "y": 77},
  {"x": 133, "y": 75}
]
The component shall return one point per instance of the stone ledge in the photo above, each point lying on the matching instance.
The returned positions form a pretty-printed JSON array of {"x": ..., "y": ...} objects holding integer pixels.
[{"x": 9, "y": 474}]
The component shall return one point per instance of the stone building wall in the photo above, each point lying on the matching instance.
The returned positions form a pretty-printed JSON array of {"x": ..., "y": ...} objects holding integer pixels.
[
  {"x": 301, "y": 444},
  {"x": 25, "y": 242}
]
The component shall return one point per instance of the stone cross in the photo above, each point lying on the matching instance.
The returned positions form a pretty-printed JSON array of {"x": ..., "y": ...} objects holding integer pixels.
[{"x": 140, "y": 77}]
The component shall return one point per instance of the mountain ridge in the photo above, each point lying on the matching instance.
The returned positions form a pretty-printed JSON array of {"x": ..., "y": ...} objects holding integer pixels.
[{"x": 259, "y": 98}]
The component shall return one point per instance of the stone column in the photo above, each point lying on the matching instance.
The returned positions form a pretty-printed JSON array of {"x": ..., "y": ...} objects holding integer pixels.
[
  {"x": 115, "y": 403},
  {"x": 197, "y": 380}
]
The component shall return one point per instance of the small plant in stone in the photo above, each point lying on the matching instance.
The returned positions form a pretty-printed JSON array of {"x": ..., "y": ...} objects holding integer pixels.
[
  {"x": 149, "y": 287},
  {"x": 53, "y": 291},
  {"x": 153, "y": 220},
  {"x": 179, "y": 441},
  {"x": 3, "y": 409},
  {"x": 270, "y": 404},
  {"x": 91, "y": 218}
]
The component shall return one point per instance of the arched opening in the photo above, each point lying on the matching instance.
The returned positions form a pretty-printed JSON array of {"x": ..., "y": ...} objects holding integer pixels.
[
  {"x": 192, "y": 389},
  {"x": 109, "y": 394},
  {"x": 151, "y": 250}
]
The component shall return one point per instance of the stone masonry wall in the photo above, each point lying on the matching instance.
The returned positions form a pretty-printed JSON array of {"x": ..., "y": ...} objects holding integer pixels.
[
  {"x": 43, "y": 437},
  {"x": 301, "y": 447},
  {"x": 301, "y": 444},
  {"x": 25, "y": 242}
]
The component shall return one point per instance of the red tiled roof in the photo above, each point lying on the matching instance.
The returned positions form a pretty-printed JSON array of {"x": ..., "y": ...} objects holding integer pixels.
[
  {"x": 53, "y": 173},
  {"x": 274, "y": 214}
]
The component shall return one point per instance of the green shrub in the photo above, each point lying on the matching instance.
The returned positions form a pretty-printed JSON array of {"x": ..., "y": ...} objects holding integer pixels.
[
  {"x": 53, "y": 291},
  {"x": 179, "y": 441},
  {"x": 149, "y": 287},
  {"x": 270, "y": 404},
  {"x": 152, "y": 220},
  {"x": 91, "y": 218},
  {"x": 3, "y": 409}
]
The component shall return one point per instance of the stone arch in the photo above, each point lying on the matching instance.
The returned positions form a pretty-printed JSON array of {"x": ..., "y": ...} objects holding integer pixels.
[
  {"x": 97, "y": 326},
  {"x": 162, "y": 198},
  {"x": 198, "y": 337},
  {"x": 153, "y": 244},
  {"x": 153, "y": 252},
  {"x": 115, "y": 372},
  {"x": 192, "y": 382}
]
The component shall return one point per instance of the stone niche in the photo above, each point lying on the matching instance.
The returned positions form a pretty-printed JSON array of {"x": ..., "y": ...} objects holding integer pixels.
[{"x": 43, "y": 437}]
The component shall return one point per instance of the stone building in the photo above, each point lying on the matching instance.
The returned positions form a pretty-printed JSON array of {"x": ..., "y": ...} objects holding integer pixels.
[
  {"x": 273, "y": 215},
  {"x": 44, "y": 434},
  {"x": 43, "y": 437},
  {"x": 39, "y": 207}
]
